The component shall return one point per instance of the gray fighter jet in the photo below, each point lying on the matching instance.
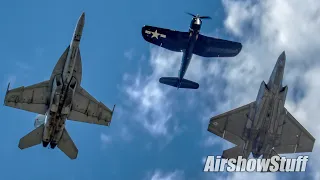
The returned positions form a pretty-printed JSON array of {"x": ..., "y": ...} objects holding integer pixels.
[
  {"x": 58, "y": 99},
  {"x": 263, "y": 127}
]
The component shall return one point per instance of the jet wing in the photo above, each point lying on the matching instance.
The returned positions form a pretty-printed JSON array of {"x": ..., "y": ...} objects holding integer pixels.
[
  {"x": 86, "y": 108},
  {"x": 295, "y": 138},
  {"x": 166, "y": 38},
  {"x": 230, "y": 125},
  {"x": 212, "y": 47},
  {"x": 32, "y": 98}
]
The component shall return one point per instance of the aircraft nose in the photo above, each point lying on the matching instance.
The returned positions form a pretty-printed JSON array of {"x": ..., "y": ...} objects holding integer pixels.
[
  {"x": 282, "y": 58},
  {"x": 83, "y": 15}
]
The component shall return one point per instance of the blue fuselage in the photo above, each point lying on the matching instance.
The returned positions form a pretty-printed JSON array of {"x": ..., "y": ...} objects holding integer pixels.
[{"x": 187, "y": 53}]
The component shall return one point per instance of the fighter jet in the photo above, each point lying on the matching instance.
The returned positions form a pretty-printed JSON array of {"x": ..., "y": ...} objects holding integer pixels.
[
  {"x": 263, "y": 127},
  {"x": 189, "y": 43},
  {"x": 58, "y": 99}
]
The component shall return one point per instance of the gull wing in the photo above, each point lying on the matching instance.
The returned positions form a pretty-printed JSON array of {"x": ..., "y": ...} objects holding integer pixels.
[
  {"x": 213, "y": 47},
  {"x": 169, "y": 39}
]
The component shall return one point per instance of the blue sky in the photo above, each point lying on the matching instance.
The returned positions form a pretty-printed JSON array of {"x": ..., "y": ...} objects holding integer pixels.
[{"x": 157, "y": 132}]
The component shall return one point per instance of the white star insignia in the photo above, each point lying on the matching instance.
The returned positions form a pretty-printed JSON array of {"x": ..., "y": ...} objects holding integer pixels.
[{"x": 155, "y": 34}]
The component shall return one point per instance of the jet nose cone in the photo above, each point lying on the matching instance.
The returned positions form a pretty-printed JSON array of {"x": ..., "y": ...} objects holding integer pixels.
[
  {"x": 282, "y": 58},
  {"x": 83, "y": 15}
]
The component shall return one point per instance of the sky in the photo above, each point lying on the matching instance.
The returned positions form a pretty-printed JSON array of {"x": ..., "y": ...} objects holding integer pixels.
[{"x": 157, "y": 132}]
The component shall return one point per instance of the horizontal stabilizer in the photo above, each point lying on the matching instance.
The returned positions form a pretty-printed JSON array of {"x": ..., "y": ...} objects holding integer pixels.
[
  {"x": 32, "y": 139},
  {"x": 67, "y": 146},
  {"x": 235, "y": 152},
  {"x": 175, "y": 82}
]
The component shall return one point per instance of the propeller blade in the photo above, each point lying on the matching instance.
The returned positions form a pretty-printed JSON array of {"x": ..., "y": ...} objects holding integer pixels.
[
  {"x": 205, "y": 17},
  {"x": 191, "y": 14}
]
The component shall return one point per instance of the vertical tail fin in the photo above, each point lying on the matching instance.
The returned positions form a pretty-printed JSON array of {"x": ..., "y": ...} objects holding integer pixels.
[
  {"x": 32, "y": 139},
  {"x": 67, "y": 146}
]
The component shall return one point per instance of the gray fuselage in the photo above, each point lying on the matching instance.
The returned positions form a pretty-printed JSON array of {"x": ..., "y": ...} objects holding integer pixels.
[
  {"x": 64, "y": 83},
  {"x": 263, "y": 129}
]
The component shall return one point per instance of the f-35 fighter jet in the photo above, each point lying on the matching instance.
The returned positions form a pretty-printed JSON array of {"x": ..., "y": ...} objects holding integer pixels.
[
  {"x": 58, "y": 99},
  {"x": 263, "y": 127},
  {"x": 189, "y": 43}
]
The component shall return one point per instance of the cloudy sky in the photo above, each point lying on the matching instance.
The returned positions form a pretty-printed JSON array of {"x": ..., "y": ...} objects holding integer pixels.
[{"x": 158, "y": 132}]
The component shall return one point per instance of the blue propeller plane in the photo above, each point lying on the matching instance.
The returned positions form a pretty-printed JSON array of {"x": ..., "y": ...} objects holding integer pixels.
[{"x": 189, "y": 43}]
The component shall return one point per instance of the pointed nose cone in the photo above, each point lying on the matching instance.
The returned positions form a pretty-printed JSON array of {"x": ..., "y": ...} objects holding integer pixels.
[
  {"x": 282, "y": 58},
  {"x": 82, "y": 18}
]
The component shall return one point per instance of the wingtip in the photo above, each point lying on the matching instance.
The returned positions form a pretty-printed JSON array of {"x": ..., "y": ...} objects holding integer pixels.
[
  {"x": 143, "y": 29},
  {"x": 114, "y": 106},
  {"x": 8, "y": 87},
  {"x": 240, "y": 47}
]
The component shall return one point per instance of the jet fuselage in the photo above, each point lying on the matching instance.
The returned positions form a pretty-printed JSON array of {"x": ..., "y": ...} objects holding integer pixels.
[
  {"x": 263, "y": 129},
  {"x": 64, "y": 84}
]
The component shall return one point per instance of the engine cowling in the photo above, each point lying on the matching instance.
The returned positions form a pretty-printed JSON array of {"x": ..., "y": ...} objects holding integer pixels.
[{"x": 39, "y": 120}]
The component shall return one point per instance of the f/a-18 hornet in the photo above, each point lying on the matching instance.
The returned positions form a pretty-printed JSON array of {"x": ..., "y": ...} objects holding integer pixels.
[
  {"x": 189, "y": 43},
  {"x": 263, "y": 127},
  {"x": 58, "y": 99}
]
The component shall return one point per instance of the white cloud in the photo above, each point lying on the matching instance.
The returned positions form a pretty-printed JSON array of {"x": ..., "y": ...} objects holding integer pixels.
[
  {"x": 247, "y": 175},
  {"x": 125, "y": 134},
  {"x": 105, "y": 139},
  {"x": 152, "y": 105},
  {"x": 211, "y": 141},
  {"x": 129, "y": 54},
  {"x": 159, "y": 175}
]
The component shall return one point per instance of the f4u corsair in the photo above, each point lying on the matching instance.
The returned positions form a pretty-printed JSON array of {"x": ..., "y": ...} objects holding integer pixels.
[
  {"x": 189, "y": 43},
  {"x": 263, "y": 127},
  {"x": 58, "y": 99}
]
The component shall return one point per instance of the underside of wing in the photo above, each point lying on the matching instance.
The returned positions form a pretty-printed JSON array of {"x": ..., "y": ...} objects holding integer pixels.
[
  {"x": 170, "y": 39},
  {"x": 212, "y": 47},
  {"x": 32, "y": 98},
  {"x": 86, "y": 108},
  {"x": 294, "y": 138},
  {"x": 231, "y": 125}
]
